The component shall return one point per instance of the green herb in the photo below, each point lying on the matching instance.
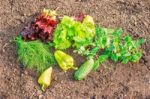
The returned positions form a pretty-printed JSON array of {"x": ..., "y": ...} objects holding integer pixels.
[
  {"x": 126, "y": 50},
  {"x": 102, "y": 58},
  {"x": 114, "y": 46},
  {"x": 34, "y": 54}
]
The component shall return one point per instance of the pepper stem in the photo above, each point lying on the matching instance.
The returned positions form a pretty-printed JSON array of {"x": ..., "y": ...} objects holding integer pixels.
[
  {"x": 74, "y": 67},
  {"x": 43, "y": 87}
]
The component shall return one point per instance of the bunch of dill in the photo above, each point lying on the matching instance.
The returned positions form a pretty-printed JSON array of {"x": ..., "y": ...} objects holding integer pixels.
[{"x": 34, "y": 54}]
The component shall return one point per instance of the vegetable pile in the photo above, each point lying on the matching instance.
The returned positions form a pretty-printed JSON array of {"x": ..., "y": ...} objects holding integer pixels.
[{"x": 79, "y": 33}]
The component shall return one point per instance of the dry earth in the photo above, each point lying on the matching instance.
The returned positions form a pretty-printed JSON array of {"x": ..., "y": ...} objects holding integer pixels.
[{"x": 111, "y": 81}]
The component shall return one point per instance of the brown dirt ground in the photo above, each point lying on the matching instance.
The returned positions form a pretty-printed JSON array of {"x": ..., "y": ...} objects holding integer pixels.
[{"x": 111, "y": 81}]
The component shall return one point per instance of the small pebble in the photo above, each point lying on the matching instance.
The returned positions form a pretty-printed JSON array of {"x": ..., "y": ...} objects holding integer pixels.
[{"x": 41, "y": 97}]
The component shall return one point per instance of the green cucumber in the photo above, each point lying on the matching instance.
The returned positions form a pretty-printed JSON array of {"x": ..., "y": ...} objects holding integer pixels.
[{"x": 84, "y": 69}]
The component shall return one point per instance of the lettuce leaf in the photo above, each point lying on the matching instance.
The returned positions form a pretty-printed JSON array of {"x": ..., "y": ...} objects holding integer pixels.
[{"x": 74, "y": 33}]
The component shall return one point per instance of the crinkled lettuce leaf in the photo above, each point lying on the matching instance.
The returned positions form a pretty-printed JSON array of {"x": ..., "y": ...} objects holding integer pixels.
[{"x": 74, "y": 33}]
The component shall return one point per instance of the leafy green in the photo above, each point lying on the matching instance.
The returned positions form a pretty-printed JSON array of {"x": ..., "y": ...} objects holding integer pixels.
[
  {"x": 102, "y": 58},
  {"x": 102, "y": 40},
  {"x": 74, "y": 33},
  {"x": 34, "y": 54},
  {"x": 126, "y": 50},
  {"x": 114, "y": 46}
]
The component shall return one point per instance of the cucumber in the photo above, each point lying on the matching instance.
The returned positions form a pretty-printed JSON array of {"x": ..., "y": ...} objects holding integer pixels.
[{"x": 84, "y": 69}]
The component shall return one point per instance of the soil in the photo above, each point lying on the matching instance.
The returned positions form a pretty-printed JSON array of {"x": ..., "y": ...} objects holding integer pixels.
[{"x": 111, "y": 81}]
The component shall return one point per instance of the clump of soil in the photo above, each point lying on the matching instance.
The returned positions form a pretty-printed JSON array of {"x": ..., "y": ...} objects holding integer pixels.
[{"x": 111, "y": 81}]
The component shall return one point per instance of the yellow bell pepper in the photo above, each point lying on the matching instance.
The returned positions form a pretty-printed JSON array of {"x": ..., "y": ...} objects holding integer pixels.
[
  {"x": 64, "y": 60},
  {"x": 45, "y": 78}
]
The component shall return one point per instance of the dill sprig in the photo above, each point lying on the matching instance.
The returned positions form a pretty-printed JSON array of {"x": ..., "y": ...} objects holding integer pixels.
[{"x": 34, "y": 54}]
